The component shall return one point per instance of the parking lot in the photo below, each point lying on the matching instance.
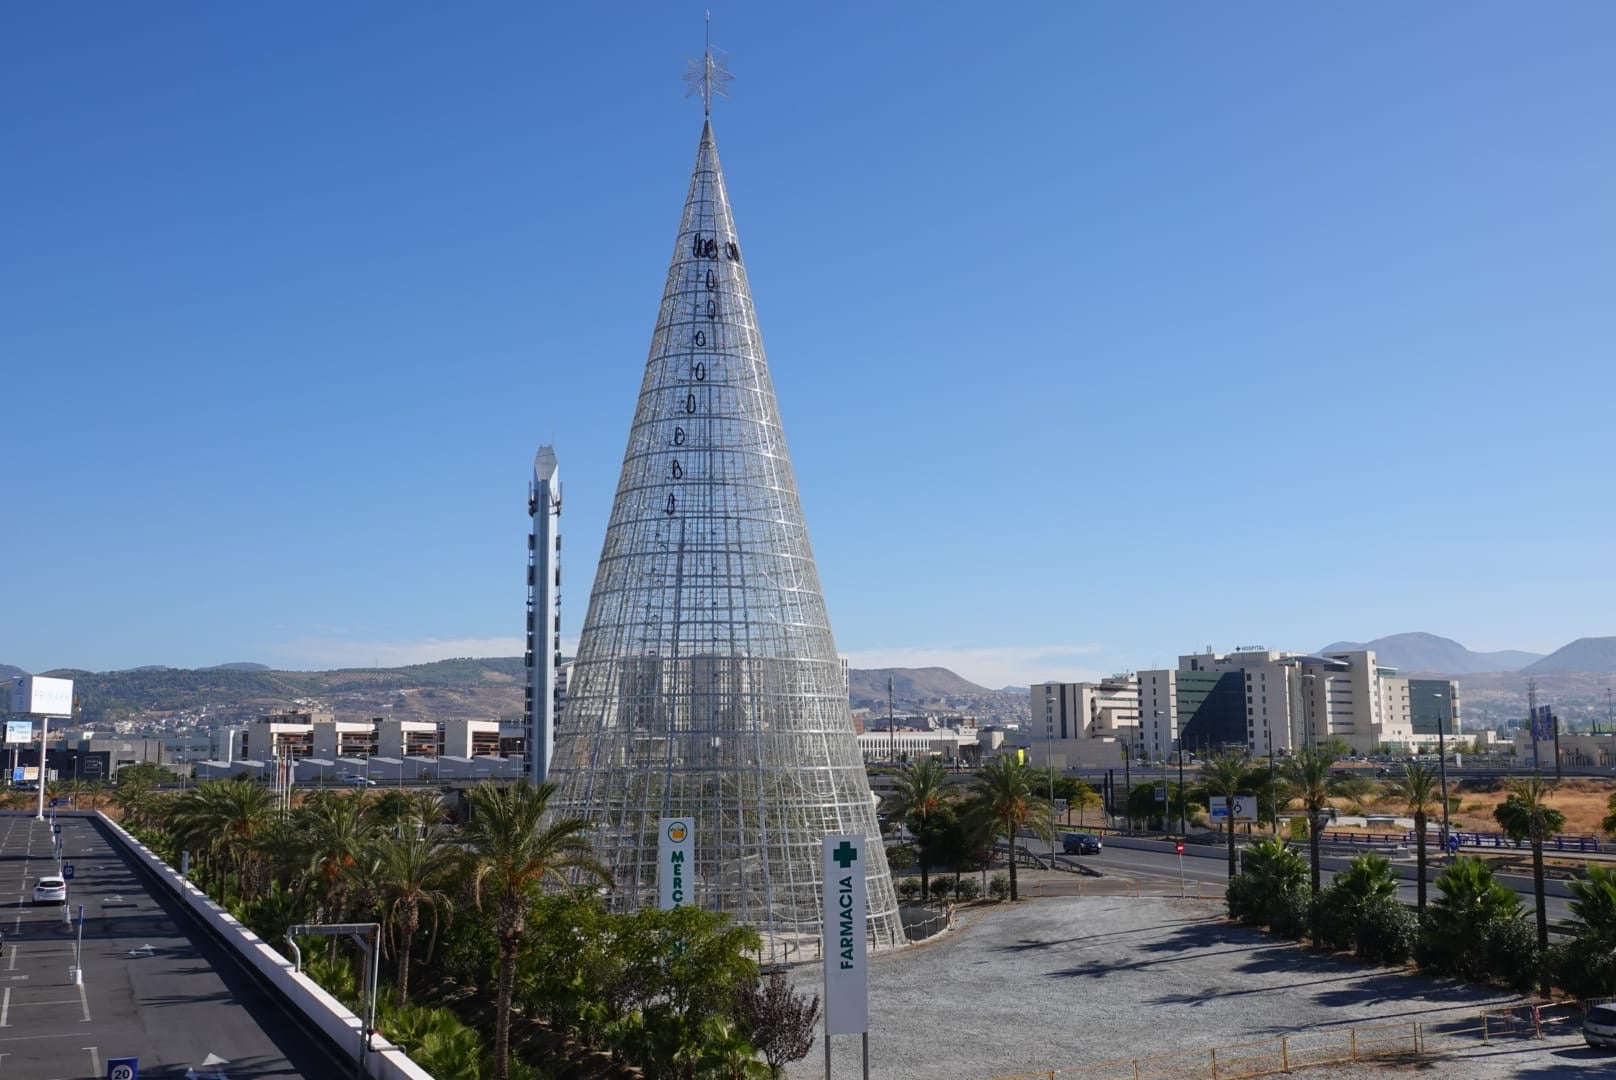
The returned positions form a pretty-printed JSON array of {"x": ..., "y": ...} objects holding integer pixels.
[
  {"x": 154, "y": 986},
  {"x": 1062, "y": 982}
]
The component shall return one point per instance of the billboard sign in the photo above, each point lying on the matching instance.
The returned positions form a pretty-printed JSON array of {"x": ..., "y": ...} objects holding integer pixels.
[
  {"x": 847, "y": 988},
  {"x": 676, "y": 838},
  {"x": 41, "y": 696},
  {"x": 1245, "y": 808},
  {"x": 19, "y": 731}
]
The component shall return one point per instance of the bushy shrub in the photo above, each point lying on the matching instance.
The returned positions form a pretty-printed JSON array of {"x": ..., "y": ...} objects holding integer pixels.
[
  {"x": 1287, "y": 913},
  {"x": 1510, "y": 947},
  {"x": 999, "y": 887},
  {"x": 908, "y": 889},
  {"x": 1387, "y": 931},
  {"x": 1245, "y": 900},
  {"x": 1581, "y": 967},
  {"x": 967, "y": 889},
  {"x": 1332, "y": 919},
  {"x": 941, "y": 887}
]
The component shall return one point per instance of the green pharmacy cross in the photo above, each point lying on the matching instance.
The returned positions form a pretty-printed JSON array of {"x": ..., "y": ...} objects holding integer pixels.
[{"x": 845, "y": 855}]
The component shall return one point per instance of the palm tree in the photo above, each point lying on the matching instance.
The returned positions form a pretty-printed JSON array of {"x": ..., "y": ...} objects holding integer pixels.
[
  {"x": 1526, "y": 815},
  {"x": 513, "y": 852},
  {"x": 1309, "y": 773},
  {"x": 335, "y": 831},
  {"x": 1593, "y": 906},
  {"x": 410, "y": 871},
  {"x": 1003, "y": 793},
  {"x": 224, "y": 819},
  {"x": 1417, "y": 790},
  {"x": 1367, "y": 878},
  {"x": 1224, "y": 776},
  {"x": 921, "y": 790},
  {"x": 1470, "y": 899}
]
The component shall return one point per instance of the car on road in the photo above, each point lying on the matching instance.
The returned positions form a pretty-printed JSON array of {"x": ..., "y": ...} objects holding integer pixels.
[
  {"x": 51, "y": 889},
  {"x": 359, "y": 781},
  {"x": 1080, "y": 843},
  {"x": 1599, "y": 1026}
]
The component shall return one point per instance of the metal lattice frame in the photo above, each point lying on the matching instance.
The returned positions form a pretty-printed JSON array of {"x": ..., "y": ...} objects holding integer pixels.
[{"x": 707, "y": 683}]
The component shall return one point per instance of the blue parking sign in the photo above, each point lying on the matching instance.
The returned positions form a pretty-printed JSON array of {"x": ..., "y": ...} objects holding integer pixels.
[
  {"x": 123, "y": 1069},
  {"x": 67, "y": 871}
]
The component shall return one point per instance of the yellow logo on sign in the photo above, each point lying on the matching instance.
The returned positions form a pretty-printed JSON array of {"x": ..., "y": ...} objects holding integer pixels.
[{"x": 676, "y": 832}]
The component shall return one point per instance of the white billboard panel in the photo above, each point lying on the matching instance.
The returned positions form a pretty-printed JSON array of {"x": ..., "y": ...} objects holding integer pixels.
[
  {"x": 19, "y": 731},
  {"x": 40, "y": 695},
  {"x": 676, "y": 838},
  {"x": 847, "y": 987}
]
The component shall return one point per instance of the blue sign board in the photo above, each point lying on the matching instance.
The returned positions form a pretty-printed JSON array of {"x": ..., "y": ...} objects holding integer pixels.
[
  {"x": 67, "y": 871},
  {"x": 123, "y": 1069}
]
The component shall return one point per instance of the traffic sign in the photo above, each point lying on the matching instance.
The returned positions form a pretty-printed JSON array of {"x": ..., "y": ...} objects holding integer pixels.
[
  {"x": 1179, "y": 847},
  {"x": 67, "y": 871},
  {"x": 123, "y": 1069}
]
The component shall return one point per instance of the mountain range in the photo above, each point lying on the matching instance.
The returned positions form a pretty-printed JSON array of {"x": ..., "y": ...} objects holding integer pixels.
[
  {"x": 1419, "y": 653},
  {"x": 464, "y": 688}
]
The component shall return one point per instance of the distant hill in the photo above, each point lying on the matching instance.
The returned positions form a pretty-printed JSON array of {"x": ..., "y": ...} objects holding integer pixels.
[
  {"x": 1419, "y": 652},
  {"x": 1596, "y": 655},
  {"x": 9, "y": 672},
  {"x": 910, "y": 686},
  {"x": 447, "y": 689},
  {"x": 488, "y": 688}
]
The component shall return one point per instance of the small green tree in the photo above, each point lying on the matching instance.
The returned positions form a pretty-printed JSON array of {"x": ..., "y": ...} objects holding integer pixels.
[
  {"x": 1335, "y": 913},
  {"x": 1459, "y": 918}
]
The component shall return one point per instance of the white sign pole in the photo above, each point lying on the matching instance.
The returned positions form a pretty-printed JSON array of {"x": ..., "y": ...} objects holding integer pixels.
[
  {"x": 847, "y": 990},
  {"x": 675, "y": 847}
]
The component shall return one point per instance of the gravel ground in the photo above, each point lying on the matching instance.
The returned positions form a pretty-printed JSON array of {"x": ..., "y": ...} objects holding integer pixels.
[{"x": 1067, "y": 981}]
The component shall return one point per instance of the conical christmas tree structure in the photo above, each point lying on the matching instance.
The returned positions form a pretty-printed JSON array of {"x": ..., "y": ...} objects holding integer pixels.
[{"x": 706, "y": 683}]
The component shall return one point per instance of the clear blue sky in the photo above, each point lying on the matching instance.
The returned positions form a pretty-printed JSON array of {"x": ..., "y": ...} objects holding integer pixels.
[{"x": 1101, "y": 333}]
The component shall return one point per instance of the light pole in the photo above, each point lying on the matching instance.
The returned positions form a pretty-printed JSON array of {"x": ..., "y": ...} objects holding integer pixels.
[
  {"x": 1442, "y": 762},
  {"x": 1183, "y": 808}
]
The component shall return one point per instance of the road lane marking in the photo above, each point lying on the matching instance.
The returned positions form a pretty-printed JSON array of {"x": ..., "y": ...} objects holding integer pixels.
[
  {"x": 95, "y": 1059},
  {"x": 5, "y": 1006},
  {"x": 84, "y": 1001}
]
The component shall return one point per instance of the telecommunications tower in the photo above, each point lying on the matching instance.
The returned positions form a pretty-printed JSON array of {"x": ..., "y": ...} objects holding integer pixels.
[{"x": 706, "y": 682}]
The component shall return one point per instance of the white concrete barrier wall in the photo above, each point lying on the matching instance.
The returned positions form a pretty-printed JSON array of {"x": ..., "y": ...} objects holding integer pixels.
[{"x": 305, "y": 995}]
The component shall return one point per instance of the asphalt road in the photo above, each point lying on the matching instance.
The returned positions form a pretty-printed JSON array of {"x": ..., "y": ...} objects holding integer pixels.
[{"x": 155, "y": 985}]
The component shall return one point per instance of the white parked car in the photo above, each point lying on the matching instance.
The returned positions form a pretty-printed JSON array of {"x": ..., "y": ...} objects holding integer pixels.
[
  {"x": 51, "y": 890},
  {"x": 1599, "y": 1026},
  {"x": 360, "y": 781}
]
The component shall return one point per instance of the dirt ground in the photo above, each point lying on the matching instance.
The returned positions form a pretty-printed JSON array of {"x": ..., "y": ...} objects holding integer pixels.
[{"x": 1583, "y": 801}]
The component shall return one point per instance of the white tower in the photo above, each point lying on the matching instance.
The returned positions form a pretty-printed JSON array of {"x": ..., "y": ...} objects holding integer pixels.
[{"x": 543, "y": 612}]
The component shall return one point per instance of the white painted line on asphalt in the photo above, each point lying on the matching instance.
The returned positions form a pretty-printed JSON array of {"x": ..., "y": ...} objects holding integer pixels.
[
  {"x": 5, "y": 1006},
  {"x": 84, "y": 1001},
  {"x": 95, "y": 1059}
]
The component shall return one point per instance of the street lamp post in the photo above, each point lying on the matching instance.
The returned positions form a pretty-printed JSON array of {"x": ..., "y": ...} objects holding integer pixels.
[
  {"x": 1442, "y": 762},
  {"x": 1183, "y": 808}
]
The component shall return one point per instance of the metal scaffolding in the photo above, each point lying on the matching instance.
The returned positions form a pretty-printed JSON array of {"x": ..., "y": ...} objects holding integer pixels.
[{"x": 707, "y": 683}]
